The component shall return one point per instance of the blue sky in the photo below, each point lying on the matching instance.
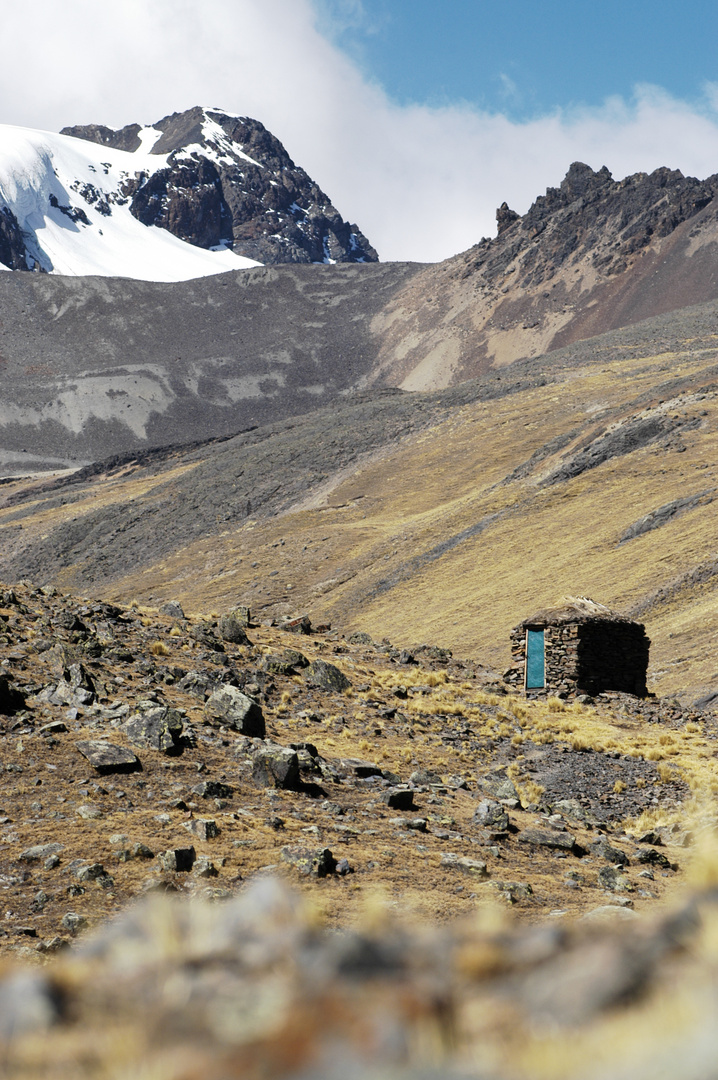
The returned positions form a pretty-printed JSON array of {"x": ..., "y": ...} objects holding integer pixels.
[
  {"x": 525, "y": 57},
  {"x": 417, "y": 118}
]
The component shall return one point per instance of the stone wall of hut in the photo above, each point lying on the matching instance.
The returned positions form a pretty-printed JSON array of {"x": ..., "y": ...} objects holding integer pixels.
[{"x": 586, "y": 657}]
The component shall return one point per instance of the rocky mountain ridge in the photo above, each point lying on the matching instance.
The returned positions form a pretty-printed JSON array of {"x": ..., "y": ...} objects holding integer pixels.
[
  {"x": 228, "y": 180},
  {"x": 589, "y": 256}
]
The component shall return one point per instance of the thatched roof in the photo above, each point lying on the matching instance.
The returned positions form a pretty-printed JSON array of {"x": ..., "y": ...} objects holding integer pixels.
[{"x": 575, "y": 609}]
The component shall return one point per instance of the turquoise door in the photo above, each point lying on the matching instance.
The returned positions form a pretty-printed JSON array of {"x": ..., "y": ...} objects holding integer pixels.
[{"x": 535, "y": 677}]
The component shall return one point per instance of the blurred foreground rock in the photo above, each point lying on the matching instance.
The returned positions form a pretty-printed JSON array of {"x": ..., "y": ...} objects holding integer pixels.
[{"x": 255, "y": 988}]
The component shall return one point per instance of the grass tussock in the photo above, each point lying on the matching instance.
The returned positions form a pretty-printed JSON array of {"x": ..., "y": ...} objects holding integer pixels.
[{"x": 158, "y": 648}]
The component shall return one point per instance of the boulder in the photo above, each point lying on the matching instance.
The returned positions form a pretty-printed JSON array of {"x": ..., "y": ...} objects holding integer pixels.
[
  {"x": 236, "y": 711},
  {"x": 177, "y": 860},
  {"x": 212, "y": 789},
  {"x": 275, "y": 766},
  {"x": 327, "y": 677},
  {"x": 108, "y": 758},
  {"x": 11, "y": 699},
  {"x": 549, "y": 838},
  {"x": 491, "y": 815},
  {"x": 202, "y": 828},
  {"x": 232, "y": 629},
  {"x": 156, "y": 727},
  {"x": 172, "y": 609},
  {"x": 310, "y": 862},
  {"x": 399, "y": 799}
]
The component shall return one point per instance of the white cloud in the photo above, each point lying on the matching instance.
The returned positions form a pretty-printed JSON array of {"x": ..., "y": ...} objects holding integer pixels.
[{"x": 423, "y": 183}]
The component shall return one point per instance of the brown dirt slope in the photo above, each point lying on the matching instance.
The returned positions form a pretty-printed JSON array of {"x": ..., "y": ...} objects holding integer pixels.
[{"x": 447, "y": 516}]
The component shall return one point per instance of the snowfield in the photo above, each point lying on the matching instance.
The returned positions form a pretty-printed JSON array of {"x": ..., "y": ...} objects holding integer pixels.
[{"x": 66, "y": 194}]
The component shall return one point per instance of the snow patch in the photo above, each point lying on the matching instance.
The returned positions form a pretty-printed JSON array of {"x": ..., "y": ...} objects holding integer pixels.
[{"x": 67, "y": 195}]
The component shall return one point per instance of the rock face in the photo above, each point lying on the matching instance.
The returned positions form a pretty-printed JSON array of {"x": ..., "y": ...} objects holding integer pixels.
[
  {"x": 12, "y": 244},
  {"x": 590, "y": 255},
  {"x": 229, "y": 181}
]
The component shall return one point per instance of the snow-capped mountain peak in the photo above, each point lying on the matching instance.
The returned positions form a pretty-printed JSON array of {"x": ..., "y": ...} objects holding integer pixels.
[{"x": 197, "y": 193}]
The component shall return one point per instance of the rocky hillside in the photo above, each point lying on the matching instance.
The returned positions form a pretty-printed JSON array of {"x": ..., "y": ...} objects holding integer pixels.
[
  {"x": 227, "y": 180},
  {"x": 150, "y": 752},
  {"x": 589, "y": 256},
  {"x": 473, "y": 506}
]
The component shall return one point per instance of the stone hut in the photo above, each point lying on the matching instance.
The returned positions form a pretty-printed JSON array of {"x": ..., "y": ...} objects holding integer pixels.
[{"x": 579, "y": 646}]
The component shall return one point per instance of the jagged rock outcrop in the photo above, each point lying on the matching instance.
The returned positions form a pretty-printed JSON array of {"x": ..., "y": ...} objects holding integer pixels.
[
  {"x": 229, "y": 181},
  {"x": 12, "y": 243},
  {"x": 591, "y": 255}
]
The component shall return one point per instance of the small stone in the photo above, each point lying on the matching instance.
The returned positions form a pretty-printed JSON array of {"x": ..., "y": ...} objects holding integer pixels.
[
  {"x": 399, "y": 799},
  {"x": 607, "y": 851},
  {"x": 203, "y": 867},
  {"x": 549, "y": 838},
  {"x": 89, "y": 812},
  {"x": 51, "y": 863},
  {"x": 157, "y": 728},
  {"x": 90, "y": 873},
  {"x": 472, "y": 867},
  {"x": 39, "y": 851},
  {"x": 202, "y": 828},
  {"x": 179, "y": 860},
  {"x": 315, "y": 863},
  {"x": 212, "y": 789},
  {"x": 232, "y": 629},
  {"x": 651, "y": 857},
  {"x": 73, "y": 922},
  {"x": 613, "y": 880},
  {"x": 141, "y": 851},
  {"x": 172, "y": 609},
  {"x": 359, "y": 768},
  {"x": 491, "y": 815},
  {"x": 342, "y": 868}
]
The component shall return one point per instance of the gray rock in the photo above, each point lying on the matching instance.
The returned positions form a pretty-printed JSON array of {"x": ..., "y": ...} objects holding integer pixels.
[
  {"x": 423, "y": 778},
  {"x": 172, "y": 609},
  {"x": 108, "y": 758},
  {"x": 204, "y": 868},
  {"x": 89, "y": 812},
  {"x": 613, "y": 880},
  {"x": 499, "y": 787},
  {"x": 513, "y": 891},
  {"x": 213, "y": 789},
  {"x": 362, "y": 769},
  {"x": 179, "y": 860},
  {"x": 491, "y": 815},
  {"x": 236, "y": 711},
  {"x": 202, "y": 828},
  {"x": 73, "y": 923},
  {"x": 156, "y": 727},
  {"x": 651, "y": 857},
  {"x": 233, "y": 630},
  {"x": 275, "y": 766},
  {"x": 608, "y": 912},
  {"x": 472, "y": 867},
  {"x": 606, "y": 851},
  {"x": 39, "y": 852},
  {"x": 549, "y": 838},
  {"x": 399, "y": 799},
  {"x": 327, "y": 677},
  {"x": 310, "y": 863},
  {"x": 141, "y": 851},
  {"x": 28, "y": 1003}
]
